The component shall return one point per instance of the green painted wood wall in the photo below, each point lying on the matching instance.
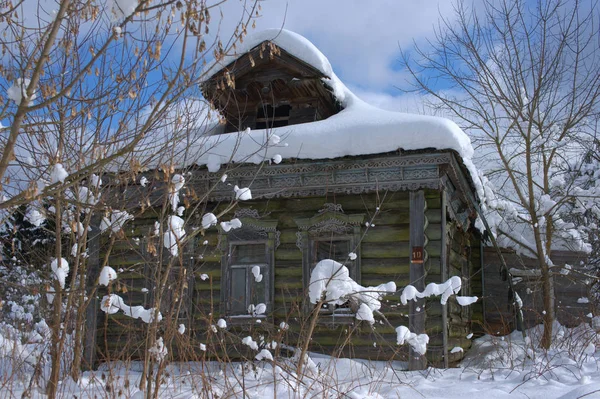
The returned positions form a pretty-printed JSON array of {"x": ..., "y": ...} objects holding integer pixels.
[{"x": 385, "y": 257}]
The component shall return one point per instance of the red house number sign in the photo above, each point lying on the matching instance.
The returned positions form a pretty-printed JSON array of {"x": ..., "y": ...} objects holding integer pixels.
[{"x": 417, "y": 255}]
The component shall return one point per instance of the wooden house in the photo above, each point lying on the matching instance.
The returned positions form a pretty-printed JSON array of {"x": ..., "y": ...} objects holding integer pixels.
[{"x": 396, "y": 190}]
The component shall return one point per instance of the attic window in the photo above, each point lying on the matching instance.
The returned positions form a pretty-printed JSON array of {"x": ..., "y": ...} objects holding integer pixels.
[{"x": 269, "y": 117}]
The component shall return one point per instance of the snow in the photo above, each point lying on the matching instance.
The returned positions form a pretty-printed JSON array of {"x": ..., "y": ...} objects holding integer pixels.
[
  {"x": 457, "y": 349},
  {"x": 123, "y": 8},
  {"x": 250, "y": 342},
  {"x": 213, "y": 163},
  {"x": 35, "y": 215},
  {"x": 274, "y": 139},
  {"x": 18, "y": 90},
  {"x": 583, "y": 300},
  {"x": 331, "y": 281},
  {"x": 417, "y": 341},
  {"x": 204, "y": 276},
  {"x": 115, "y": 221},
  {"x": 177, "y": 183},
  {"x": 519, "y": 301},
  {"x": 359, "y": 129},
  {"x": 95, "y": 181},
  {"x": 232, "y": 224},
  {"x": 445, "y": 290},
  {"x": 221, "y": 323},
  {"x": 242, "y": 194},
  {"x": 112, "y": 303},
  {"x": 365, "y": 313},
  {"x": 172, "y": 237},
  {"x": 493, "y": 369},
  {"x": 208, "y": 220},
  {"x": 159, "y": 350},
  {"x": 264, "y": 354},
  {"x": 256, "y": 272},
  {"x": 61, "y": 271},
  {"x": 143, "y": 181},
  {"x": 59, "y": 174},
  {"x": 86, "y": 196},
  {"x": 181, "y": 329},
  {"x": 277, "y": 159},
  {"x": 284, "y": 326},
  {"x": 352, "y": 256},
  {"x": 107, "y": 274},
  {"x": 466, "y": 300},
  {"x": 257, "y": 310}
]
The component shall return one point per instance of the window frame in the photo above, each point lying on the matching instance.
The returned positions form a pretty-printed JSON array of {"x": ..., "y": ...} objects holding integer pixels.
[
  {"x": 350, "y": 264},
  {"x": 330, "y": 223},
  {"x": 254, "y": 231},
  {"x": 248, "y": 267}
]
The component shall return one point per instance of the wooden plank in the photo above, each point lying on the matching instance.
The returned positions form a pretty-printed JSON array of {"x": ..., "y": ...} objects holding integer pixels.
[
  {"x": 416, "y": 322},
  {"x": 444, "y": 275}
]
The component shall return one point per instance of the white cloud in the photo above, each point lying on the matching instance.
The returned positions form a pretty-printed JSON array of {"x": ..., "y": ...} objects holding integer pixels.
[{"x": 361, "y": 39}]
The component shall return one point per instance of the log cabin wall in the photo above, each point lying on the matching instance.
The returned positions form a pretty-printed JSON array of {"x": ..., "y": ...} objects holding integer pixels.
[
  {"x": 383, "y": 256},
  {"x": 568, "y": 288}
]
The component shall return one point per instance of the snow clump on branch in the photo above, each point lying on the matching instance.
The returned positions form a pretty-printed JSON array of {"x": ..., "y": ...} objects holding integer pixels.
[
  {"x": 233, "y": 224},
  {"x": 115, "y": 222},
  {"x": 112, "y": 303},
  {"x": 331, "y": 280},
  {"x": 177, "y": 184},
  {"x": 61, "y": 271},
  {"x": 242, "y": 194},
  {"x": 18, "y": 91},
  {"x": 107, "y": 275},
  {"x": 452, "y": 286},
  {"x": 208, "y": 220},
  {"x": 174, "y": 235},
  {"x": 59, "y": 174}
]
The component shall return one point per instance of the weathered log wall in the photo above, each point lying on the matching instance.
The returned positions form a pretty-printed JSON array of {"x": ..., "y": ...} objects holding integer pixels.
[
  {"x": 568, "y": 288},
  {"x": 385, "y": 256}
]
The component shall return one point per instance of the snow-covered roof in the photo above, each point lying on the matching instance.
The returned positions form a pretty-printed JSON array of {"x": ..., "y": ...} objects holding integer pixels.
[{"x": 359, "y": 129}]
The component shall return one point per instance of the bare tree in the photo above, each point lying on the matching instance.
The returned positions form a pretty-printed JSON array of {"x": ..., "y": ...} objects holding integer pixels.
[
  {"x": 524, "y": 80},
  {"x": 90, "y": 88}
]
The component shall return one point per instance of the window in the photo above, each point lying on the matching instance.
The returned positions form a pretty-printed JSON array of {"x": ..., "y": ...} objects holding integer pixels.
[
  {"x": 330, "y": 234},
  {"x": 336, "y": 248},
  {"x": 248, "y": 256},
  {"x": 269, "y": 117},
  {"x": 245, "y": 288}
]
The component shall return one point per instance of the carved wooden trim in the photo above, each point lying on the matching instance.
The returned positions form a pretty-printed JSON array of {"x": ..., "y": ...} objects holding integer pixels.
[
  {"x": 342, "y": 176},
  {"x": 330, "y": 219}
]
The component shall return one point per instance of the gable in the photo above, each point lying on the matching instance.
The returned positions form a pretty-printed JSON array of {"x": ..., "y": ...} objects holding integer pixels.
[{"x": 268, "y": 87}]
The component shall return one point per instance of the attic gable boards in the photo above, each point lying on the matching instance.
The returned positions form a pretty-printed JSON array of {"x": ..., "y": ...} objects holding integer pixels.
[{"x": 269, "y": 76}]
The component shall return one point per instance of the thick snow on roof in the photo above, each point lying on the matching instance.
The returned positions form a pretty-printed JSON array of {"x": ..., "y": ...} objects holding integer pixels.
[
  {"x": 359, "y": 129},
  {"x": 293, "y": 43}
]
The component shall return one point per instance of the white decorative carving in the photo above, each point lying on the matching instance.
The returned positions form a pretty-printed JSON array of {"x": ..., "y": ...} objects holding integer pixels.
[{"x": 393, "y": 173}]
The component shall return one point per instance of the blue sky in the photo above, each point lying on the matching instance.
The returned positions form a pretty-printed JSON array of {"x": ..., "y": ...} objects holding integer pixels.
[{"x": 361, "y": 39}]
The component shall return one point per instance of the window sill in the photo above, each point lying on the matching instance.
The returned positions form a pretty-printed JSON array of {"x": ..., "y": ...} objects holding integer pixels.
[
  {"x": 335, "y": 320},
  {"x": 245, "y": 320}
]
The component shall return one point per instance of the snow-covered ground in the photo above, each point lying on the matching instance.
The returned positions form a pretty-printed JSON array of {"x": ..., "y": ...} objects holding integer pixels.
[{"x": 496, "y": 367}]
